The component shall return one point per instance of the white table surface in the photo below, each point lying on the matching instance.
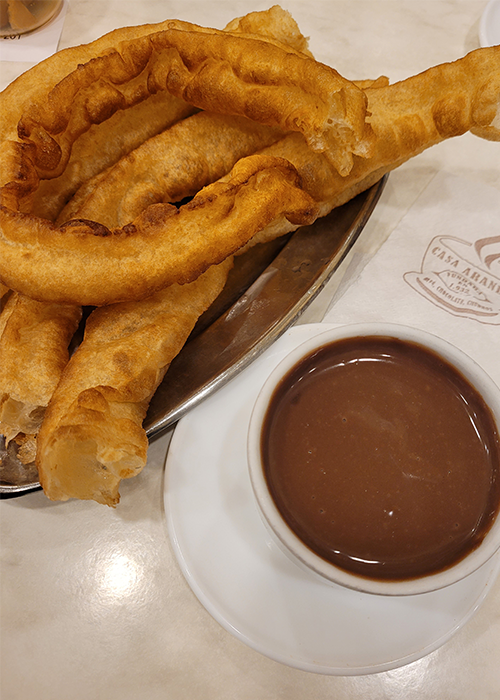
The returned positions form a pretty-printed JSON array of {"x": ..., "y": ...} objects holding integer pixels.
[{"x": 94, "y": 605}]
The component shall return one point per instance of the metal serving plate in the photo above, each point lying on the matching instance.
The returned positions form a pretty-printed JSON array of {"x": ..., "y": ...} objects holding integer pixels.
[{"x": 267, "y": 291}]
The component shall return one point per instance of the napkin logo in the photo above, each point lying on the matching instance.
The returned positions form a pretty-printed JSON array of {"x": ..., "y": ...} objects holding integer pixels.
[{"x": 462, "y": 278}]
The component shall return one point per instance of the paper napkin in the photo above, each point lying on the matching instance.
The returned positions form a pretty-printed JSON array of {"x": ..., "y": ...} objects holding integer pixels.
[
  {"x": 438, "y": 271},
  {"x": 36, "y": 46}
]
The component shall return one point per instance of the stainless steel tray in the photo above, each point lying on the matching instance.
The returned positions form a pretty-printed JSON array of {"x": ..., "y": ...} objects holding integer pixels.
[{"x": 268, "y": 290}]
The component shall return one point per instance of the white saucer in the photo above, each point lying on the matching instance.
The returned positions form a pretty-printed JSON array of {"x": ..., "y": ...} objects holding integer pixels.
[
  {"x": 251, "y": 588},
  {"x": 489, "y": 27}
]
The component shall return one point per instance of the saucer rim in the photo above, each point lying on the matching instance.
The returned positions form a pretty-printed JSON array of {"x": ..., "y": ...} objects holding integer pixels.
[{"x": 488, "y": 36}]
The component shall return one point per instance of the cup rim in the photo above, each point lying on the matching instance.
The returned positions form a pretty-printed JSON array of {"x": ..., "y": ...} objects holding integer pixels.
[{"x": 282, "y": 534}]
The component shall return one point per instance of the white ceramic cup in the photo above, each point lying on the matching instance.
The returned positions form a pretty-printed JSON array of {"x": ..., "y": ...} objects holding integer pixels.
[{"x": 282, "y": 534}]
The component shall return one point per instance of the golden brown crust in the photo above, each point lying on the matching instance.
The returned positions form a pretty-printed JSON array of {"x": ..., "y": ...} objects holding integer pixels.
[
  {"x": 219, "y": 71},
  {"x": 162, "y": 246},
  {"x": 443, "y": 101},
  {"x": 92, "y": 435},
  {"x": 34, "y": 339},
  {"x": 275, "y": 24},
  {"x": 94, "y": 432},
  {"x": 102, "y": 399},
  {"x": 229, "y": 71},
  {"x": 407, "y": 118},
  {"x": 169, "y": 167},
  {"x": 36, "y": 82},
  {"x": 39, "y": 80},
  {"x": 104, "y": 143},
  {"x": 102, "y": 146}
]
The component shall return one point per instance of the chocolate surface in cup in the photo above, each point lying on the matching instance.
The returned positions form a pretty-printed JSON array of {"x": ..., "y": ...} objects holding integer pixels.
[{"x": 382, "y": 458}]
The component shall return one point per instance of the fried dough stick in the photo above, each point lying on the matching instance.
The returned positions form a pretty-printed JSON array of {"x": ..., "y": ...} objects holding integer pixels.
[
  {"x": 220, "y": 71},
  {"x": 223, "y": 71},
  {"x": 92, "y": 435},
  {"x": 407, "y": 118},
  {"x": 41, "y": 332},
  {"x": 98, "y": 148},
  {"x": 216, "y": 142},
  {"x": 34, "y": 340},
  {"x": 101, "y": 424},
  {"x": 32, "y": 86},
  {"x": 172, "y": 166},
  {"x": 412, "y": 115},
  {"x": 104, "y": 144},
  {"x": 162, "y": 246}
]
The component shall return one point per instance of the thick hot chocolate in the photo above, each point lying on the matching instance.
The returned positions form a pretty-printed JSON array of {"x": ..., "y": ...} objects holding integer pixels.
[{"x": 382, "y": 458}]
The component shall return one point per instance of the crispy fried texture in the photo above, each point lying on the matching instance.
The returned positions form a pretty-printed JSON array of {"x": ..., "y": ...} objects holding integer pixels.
[
  {"x": 42, "y": 154},
  {"x": 229, "y": 72},
  {"x": 34, "y": 85},
  {"x": 80, "y": 420},
  {"x": 37, "y": 82},
  {"x": 102, "y": 146},
  {"x": 104, "y": 435},
  {"x": 34, "y": 339},
  {"x": 275, "y": 24},
  {"x": 220, "y": 71},
  {"x": 104, "y": 143},
  {"x": 407, "y": 118},
  {"x": 162, "y": 246},
  {"x": 215, "y": 142},
  {"x": 92, "y": 435},
  {"x": 169, "y": 167}
]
